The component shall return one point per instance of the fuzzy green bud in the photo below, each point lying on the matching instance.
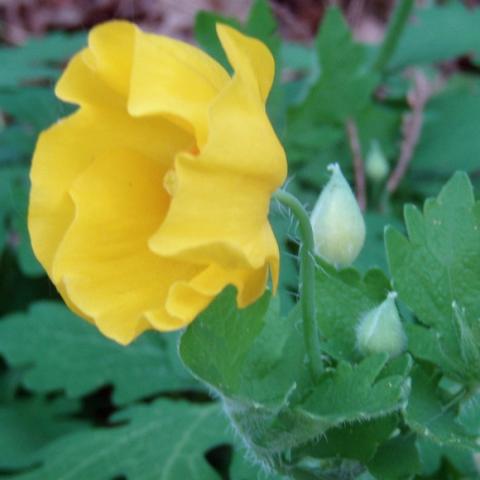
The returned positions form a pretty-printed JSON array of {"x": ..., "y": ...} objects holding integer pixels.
[
  {"x": 381, "y": 331},
  {"x": 337, "y": 222},
  {"x": 376, "y": 165}
]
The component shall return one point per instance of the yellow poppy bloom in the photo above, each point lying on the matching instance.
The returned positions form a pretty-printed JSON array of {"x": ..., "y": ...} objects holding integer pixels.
[{"x": 154, "y": 195}]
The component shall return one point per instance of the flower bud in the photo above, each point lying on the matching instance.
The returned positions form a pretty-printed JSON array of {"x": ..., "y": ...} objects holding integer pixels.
[
  {"x": 376, "y": 165},
  {"x": 337, "y": 222},
  {"x": 381, "y": 330}
]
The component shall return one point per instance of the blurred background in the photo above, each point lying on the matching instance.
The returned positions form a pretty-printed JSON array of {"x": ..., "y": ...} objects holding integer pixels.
[
  {"x": 341, "y": 94},
  {"x": 298, "y": 19}
]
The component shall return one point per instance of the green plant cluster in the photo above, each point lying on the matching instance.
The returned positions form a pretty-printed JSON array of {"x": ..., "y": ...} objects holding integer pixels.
[{"x": 233, "y": 398}]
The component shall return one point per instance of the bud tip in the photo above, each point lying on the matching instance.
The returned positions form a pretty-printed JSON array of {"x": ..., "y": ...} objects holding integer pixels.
[{"x": 381, "y": 330}]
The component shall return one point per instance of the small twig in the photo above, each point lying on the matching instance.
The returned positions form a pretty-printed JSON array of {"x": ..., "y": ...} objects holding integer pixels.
[
  {"x": 412, "y": 125},
  {"x": 358, "y": 164}
]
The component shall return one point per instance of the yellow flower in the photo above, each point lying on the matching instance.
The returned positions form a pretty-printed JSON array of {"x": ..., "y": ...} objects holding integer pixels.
[{"x": 154, "y": 195}]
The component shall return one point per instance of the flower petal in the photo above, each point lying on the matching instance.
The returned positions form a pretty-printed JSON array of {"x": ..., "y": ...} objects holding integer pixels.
[
  {"x": 231, "y": 179},
  {"x": 173, "y": 77},
  {"x": 217, "y": 216},
  {"x": 100, "y": 74},
  {"x": 250, "y": 59},
  {"x": 68, "y": 148},
  {"x": 122, "y": 252},
  {"x": 186, "y": 299},
  {"x": 81, "y": 85},
  {"x": 104, "y": 262}
]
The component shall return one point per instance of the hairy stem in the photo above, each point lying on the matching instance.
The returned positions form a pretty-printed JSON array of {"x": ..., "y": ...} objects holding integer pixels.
[{"x": 307, "y": 281}]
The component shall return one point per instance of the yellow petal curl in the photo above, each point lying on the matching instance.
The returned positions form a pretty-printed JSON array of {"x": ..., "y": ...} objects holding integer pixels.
[
  {"x": 172, "y": 77},
  {"x": 154, "y": 195},
  {"x": 234, "y": 175},
  {"x": 100, "y": 74}
]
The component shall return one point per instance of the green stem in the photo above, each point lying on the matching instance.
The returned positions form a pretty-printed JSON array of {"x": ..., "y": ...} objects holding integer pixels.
[
  {"x": 307, "y": 282},
  {"x": 394, "y": 32}
]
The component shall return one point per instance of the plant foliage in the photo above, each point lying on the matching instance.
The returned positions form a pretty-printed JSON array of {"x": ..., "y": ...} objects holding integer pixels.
[{"x": 233, "y": 399}]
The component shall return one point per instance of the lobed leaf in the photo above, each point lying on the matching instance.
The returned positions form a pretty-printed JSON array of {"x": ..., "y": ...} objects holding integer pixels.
[
  {"x": 438, "y": 33},
  {"x": 342, "y": 90},
  {"x": 430, "y": 418},
  {"x": 342, "y": 298},
  {"x": 255, "y": 361},
  {"x": 38, "y": 59},
  {"x": 63, "y": 352},
  {"x": 450, "y": 137},
  {"x": 27, "y": 425},
  {"x": 396, "y": 459},
  {"x": 165, "y": 439},
  {"x": 357, "y": 392},
  {"x": 436, "y": 272}
]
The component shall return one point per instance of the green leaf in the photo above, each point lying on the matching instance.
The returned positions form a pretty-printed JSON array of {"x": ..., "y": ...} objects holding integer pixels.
[
  {"x": 465, "y": 462},
  {"x": 469, "y": 414},
  {"x": 64, "y": 352},
  {"x": 373, "y": 252},
  {"x": 342, "y": 298},
  {"x": 343, "y": 88},
  {"x": 436, "y": 272},
  {"x": 357, "y": 441},
  {"x": 243, "y": 469},
  {"x": 16, "y": 144},
  {"x": 244, "y": 354},
  {"x": 262, "y": 24},
  {"x": 450, "y": 137},
  {"x": 343, "y": 67},
  {"x": 430, "y": 418},
  {"x": 460, "y": 460},
  {"x": 437, "y": 34},
  {"x": 38, "y": 58},
  {"x": 30, "y": 110},
  {"x": 318, "y": 147},
  {"x": 354, "y": 392},
  {"x": 255, "y": 360},
  {"x": 381, "y": 123},
  {"x": 34, "y": 106},
  {"x": 30, "y": 424},
  {"x": 14, "y": 192},
  {"x": 396, "y": 459},
  {"x": 430, "y": 455},
  {"x": 17, "y": 290},
  {"x": 215, "y": 346},
  {"x": 166, "y": 440},
  {"x": 329, "y": 143},
  {"x": 316, "y": 134},
  {"x": 296, "y": 56}
]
